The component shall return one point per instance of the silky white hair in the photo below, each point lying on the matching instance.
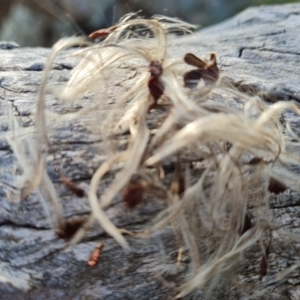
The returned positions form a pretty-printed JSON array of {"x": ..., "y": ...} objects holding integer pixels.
[{"x": 215, "y": 201}]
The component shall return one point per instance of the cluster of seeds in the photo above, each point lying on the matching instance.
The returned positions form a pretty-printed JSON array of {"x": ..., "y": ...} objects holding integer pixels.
[{"x": 225, "y": 159}]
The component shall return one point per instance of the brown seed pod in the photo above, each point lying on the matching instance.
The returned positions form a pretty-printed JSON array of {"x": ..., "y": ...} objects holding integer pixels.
[
  {"x": 178, "y": 183},
  {"x": 192, "y": 60},
  {"x": 102, "y": 33},
  {"x": 70, "y": 227},
  {"x": 264, "y": 261},
  {"x": 209, "y": 72},
  {"x": 191, "y": 78},
  {"x": 276, "y": 187},
  {"x": 72, "y": 186},
  {"x": 156, "y": 88},
  {"x": 155, "y": 68},
  {"x": 133, "y": 195},
  {"x": 95, "y": 255},
  {"x": 255, "y": 161},
  {"x": 155, "y": 85}
]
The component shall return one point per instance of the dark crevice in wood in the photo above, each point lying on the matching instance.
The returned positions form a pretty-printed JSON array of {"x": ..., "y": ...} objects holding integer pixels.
[
  {"x": 278, "y": 51},
  {"x": 26, "y": 226},
  {"x": 272, "y": 206},
  {"x": 240, "y": 53}
]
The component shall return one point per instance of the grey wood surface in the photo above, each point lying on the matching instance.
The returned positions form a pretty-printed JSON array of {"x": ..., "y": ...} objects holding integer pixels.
[{"x": 258, "y": 51}]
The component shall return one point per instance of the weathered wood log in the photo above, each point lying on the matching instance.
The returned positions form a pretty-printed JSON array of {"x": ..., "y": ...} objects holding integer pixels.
[{"x": 258, "y": 49}]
